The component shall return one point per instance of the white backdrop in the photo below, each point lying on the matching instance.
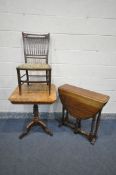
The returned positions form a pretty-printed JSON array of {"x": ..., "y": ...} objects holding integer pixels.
[{"x": 82, "y": 47}]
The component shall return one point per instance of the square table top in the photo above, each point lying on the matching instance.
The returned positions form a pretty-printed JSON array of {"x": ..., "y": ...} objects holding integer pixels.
[{"x": 34, "y": 93}]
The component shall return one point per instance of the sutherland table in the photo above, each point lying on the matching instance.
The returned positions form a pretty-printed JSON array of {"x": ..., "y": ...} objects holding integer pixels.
[
  {"x": 82, "y": 104},
  {"x": 34, "y": 94}
]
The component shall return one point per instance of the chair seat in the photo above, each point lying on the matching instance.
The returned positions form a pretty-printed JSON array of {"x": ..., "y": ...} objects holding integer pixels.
[{"x": 27, "y": 66}]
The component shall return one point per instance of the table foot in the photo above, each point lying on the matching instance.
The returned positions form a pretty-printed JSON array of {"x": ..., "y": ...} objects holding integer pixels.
[
  {"x": 32, "y": 124},
  {"x": 36, "y": 121},
  {"x": 48, "y": 131}
]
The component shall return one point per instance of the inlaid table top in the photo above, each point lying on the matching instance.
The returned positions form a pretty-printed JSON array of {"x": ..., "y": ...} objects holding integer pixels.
[{"x": 34, "y": 93}]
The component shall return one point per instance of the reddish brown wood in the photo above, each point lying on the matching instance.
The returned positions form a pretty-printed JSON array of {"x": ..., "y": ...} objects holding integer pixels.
[
  {"x": 82, "y": 104},
  {"x": 34, "y": 94},
  {"x": 36, "y": 121}
]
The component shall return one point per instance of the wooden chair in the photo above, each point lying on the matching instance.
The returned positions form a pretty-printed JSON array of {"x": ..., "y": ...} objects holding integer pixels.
[{"x": 36, "y": 49}]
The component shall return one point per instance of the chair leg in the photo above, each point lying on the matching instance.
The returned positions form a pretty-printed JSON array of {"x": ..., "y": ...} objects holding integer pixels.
[
  {"x": 47, "y": 77},
  {"x": 27, "y": 75},
  {"x": 49, "y": 81},
  {"x": 19, "y": 80}
]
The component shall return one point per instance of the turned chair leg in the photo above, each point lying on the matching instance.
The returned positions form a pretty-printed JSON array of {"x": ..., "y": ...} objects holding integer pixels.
[
  {"x": 27, "y": 75},
  {"x": 19, "y": 80},
  {"x": 47, "y": 77},
  {"x": 49, "y": 81}
]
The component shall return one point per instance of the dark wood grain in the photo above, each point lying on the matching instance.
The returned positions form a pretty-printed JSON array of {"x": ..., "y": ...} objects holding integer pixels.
[{"x": 80, "y": 102}]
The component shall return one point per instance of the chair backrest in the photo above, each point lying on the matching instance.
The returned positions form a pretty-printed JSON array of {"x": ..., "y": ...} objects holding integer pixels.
[{"x": 36, "y": 47}]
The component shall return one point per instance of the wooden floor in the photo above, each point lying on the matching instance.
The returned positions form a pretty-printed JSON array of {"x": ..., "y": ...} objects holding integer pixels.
[{"x": 34, "y": 94}]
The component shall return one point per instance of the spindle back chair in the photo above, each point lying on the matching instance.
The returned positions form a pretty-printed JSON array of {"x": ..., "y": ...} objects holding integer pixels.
[
  {"x": 36, "y": 47},
  {"x": 36, "y": 50}
]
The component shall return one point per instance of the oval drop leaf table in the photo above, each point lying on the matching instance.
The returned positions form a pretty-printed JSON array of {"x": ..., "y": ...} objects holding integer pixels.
[{"x": 82, "y": 104}]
